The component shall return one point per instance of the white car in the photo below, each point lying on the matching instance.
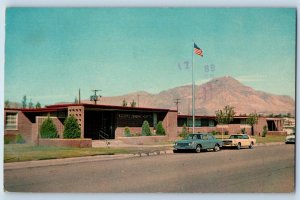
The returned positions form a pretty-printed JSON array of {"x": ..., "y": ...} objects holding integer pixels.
[{"x": 290, "y": 139}]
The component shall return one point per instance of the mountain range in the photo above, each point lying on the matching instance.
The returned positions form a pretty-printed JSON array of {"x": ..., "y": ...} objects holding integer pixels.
[{"x": 209, "y": 97}]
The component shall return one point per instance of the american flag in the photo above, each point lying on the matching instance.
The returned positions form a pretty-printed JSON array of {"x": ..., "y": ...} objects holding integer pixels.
[{"x": 197, "y": 50}]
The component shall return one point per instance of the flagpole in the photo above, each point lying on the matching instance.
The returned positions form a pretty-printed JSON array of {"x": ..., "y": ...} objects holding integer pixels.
[{"x": 193, "y": 90}]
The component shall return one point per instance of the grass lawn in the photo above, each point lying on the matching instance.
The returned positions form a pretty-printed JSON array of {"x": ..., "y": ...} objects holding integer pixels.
[
  {"x": 24, "y": 152},
  {"x": 259, "y": 139}
]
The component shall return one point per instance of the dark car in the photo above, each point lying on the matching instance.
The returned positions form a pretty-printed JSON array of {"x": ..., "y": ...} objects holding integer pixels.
[{"x": 198, "y": 142}]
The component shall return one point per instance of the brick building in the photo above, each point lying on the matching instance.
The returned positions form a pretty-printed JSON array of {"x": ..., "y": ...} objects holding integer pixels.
[{"x": 104, "y": 121}]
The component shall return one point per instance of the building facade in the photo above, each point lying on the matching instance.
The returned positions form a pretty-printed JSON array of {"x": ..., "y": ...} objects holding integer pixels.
[{"x": 103, "y": 121}]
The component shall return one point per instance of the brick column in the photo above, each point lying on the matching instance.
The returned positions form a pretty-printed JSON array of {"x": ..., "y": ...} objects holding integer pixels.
[
  {"x": 170, "y": 124},
  {"x": 78, "y": 113}
]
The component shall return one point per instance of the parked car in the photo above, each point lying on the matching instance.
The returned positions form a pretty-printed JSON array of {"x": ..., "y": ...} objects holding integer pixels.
[
  {"x": 198, "y": 142},
  {"x": 290, "y": 139},
  {"x": 239, "y": 141}
]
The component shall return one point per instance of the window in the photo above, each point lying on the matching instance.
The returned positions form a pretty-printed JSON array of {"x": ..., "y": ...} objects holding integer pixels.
[
  {"x": 245, "y": 137},
  {"x": 11, "y": 121},
  {"x": 211, "y": 123},
  {"x": 243, "y": 121},
  {"x": 205, "y": 137},
  {"x": 197, "y": 122}
]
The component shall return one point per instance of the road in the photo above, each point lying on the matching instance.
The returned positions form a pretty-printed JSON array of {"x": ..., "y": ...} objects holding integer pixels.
[{"x": 262, "y": 169}]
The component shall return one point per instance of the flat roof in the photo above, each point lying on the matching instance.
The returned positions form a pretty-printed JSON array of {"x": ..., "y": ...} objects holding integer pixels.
[
  {"x": 110, "y": 107},
  {"x": 35, "y": 109},
  {"x": 209, "y": 116}
]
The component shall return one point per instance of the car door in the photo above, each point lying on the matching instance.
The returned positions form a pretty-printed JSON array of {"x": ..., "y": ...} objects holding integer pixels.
[
  {"x": 246, "y": 140},
  {"x": 211, "y": 141},
  {"x": 205, "y": 141}
]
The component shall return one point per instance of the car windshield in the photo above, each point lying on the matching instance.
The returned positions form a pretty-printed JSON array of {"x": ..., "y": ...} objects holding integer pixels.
[
  {"x": 236, "y": 137},
  {"x": 193, "y": 137}
]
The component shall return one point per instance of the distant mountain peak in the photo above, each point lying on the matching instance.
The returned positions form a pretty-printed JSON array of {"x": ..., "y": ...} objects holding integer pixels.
[{"x": 211, "y": 96}]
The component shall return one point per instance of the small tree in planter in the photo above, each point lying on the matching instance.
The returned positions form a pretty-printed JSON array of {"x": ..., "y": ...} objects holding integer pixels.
[
  {"x": 251, "y": 120},
  {"x": 72, "y": 129},
  {"x": 146, "y": 129},
  {"x": 265, "y": 130},
  {"x": 184, "y": 131},
  {"x": 127, "y": 132},
  {"x": 160, "y": 129},
  {"x": 48, "y": 129}
]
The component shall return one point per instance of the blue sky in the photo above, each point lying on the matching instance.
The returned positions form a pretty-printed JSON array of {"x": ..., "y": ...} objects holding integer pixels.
[{"x": 50, "y": 53}]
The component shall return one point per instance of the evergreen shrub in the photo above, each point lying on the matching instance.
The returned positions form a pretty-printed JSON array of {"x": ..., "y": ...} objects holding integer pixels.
[{"x": 72, "y": 129}]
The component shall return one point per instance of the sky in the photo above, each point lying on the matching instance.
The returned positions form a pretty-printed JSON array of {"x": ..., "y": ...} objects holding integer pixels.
[{"x": 52, "y": 52}]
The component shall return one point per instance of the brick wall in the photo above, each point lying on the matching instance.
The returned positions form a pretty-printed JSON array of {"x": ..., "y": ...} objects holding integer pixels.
[
  {"x": 170, "y": 124},
  {"x": 143, "y": 139},
  {"x": 119, "y": 132},
  {"x": 232, "y": 129},
  {"x": 80, "y": 143},
  {"x": 39, "y": 121},
  {"x": 24, "y": 126}
]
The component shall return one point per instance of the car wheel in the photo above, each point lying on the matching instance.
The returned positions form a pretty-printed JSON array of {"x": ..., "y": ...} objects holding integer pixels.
[
  {"x": 217, "y": 148},
  {"x": 198, "y": 149},
  {"x": 251, "y": 145},
  {"x": 238, "y": 146}
]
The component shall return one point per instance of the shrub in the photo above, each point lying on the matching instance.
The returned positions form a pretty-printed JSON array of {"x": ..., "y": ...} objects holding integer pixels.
[
  {"x": 48, "y": 129},
  {"x": 184, "y": 132},
  {"x": 243, "y": 130},
  {"x": 214, "y": 132},
  {"x": 160, "y": 129},
  {"x": 127, "y": 132},
  {"x": 9, "y": 138},
  {"x": 19, "y": 139},
  {"x": 265, "y": 131},
  {"x": 146, "y": 129},
  {"x": 72, "y": 129}
]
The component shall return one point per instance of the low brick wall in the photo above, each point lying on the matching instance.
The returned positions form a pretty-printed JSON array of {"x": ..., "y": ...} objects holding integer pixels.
[
  {"x": 277, "y": 133},
  {"x": 140, "y": 140},
  {"x": 80, "y": 143}
]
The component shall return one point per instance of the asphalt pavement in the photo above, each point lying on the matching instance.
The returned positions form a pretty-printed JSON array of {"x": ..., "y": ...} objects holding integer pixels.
[{"x": 263, "y": 169}]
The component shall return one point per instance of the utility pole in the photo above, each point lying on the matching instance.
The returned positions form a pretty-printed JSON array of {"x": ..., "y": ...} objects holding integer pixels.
[
  {"x": 95, "y": 96},
  {"x": 177, "y": 101},
  {"x": 79, "y": 96}
]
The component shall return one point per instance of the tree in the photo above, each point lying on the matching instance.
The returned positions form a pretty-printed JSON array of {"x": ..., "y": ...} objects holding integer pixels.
[
  {"x": 72, "y": 129},
  {"x": 251, "y": 120},
  {"x": 133, "y": 103},
  {"x": 30, "y": 104},
  {"x": 265, "y": 131},
  {"x": 146, "y": 129},
  {"x": 124, "y": 103},
  {"x": 6, "y": 104},
  {"x": 48, "y": 129},
  {"x": 226, "y": 115},
  {"x": 184, "y": 131},
  {"x": 38, "y": 105},
  {"x": 160, "y": 129},
  {"x": 24, "y": 102}
]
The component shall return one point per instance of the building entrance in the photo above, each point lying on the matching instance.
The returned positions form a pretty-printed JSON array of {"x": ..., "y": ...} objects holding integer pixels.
[{"x": 99, "y": 125}]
